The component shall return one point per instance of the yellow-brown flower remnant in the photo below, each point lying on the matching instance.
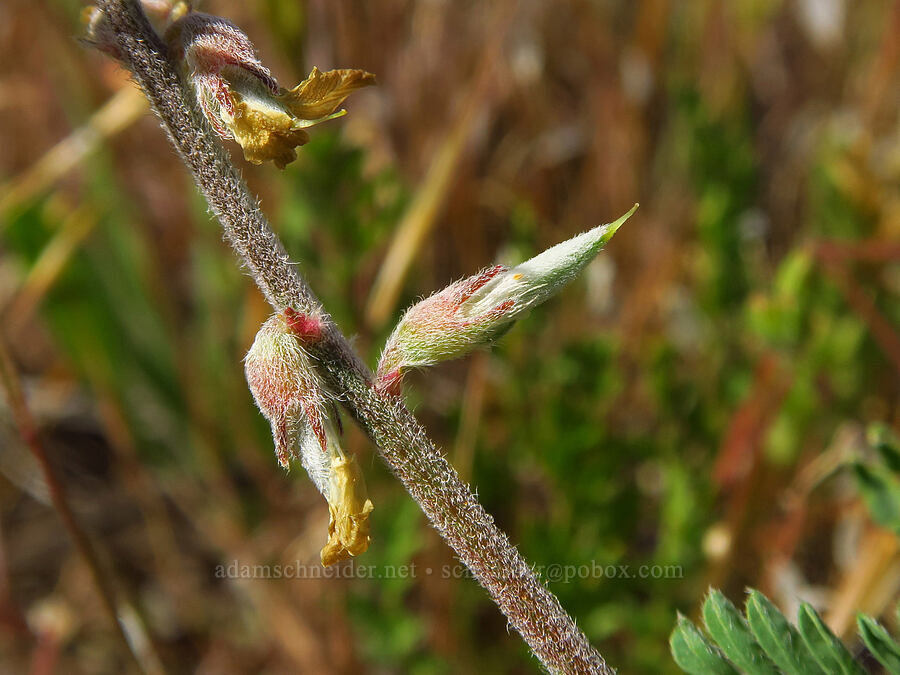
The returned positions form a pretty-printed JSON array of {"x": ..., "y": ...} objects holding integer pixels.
[
  {"x": 348, "y": 507},
  {"x": 241, "y": 98},
  {"x": 304, "y": 423}
]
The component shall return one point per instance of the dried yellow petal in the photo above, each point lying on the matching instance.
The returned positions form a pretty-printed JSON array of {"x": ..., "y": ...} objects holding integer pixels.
[
  {"x": 349, "y": 508},
  {"x": 269, "y": 127},
  {"x": 264, "y": 132},
  {"x": 319, "y": 95},
  {"x": 238, "y": 94}
]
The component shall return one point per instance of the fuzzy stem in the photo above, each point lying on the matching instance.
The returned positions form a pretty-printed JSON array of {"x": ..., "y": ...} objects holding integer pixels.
[{"x": 451, "y": 507}]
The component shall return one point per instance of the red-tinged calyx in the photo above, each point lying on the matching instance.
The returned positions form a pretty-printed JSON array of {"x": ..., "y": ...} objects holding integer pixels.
[
  {"x": 307, "y": 327},
  {"x": 305, "y": 426},
  {"x": 285, "y": 386},
  {"x": 441, "y": 328},
  {"x": 209, "y": 45},
  {"x": 474, "y": 283},
  {"x": 389, "y": 383}
]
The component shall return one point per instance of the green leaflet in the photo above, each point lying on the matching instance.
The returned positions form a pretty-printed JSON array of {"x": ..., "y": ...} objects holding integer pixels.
[
  {"x": 695, "y": 654},
  {"x": 778, "y": 638},
  {"x": 766, "y": 642},
  {"x": 879, "y": 643},
  {"x": 827, "y": 650},
  {"x": 728, "y": 628}
]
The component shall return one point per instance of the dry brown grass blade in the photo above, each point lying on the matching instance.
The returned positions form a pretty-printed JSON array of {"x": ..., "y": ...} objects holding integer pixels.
[
  {"x": 470, "y": 418},
  {"x": 9, "y": 379},
  {"x": 862, "y": 588},
  {"x": 883, "y": 333},
  {"x": 420, "y": 216},
  {"x": 423, "y": 211},
  {"x": 45, "y": 271},
  {"x": 222, "y": 527},
  {"x": 119, "y": 112}
]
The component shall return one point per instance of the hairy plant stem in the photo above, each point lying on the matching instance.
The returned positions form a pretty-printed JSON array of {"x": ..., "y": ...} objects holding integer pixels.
[{"x": 451, "y": 507}]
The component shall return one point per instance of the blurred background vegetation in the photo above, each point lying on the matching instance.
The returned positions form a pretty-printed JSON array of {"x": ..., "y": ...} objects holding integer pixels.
[{"x": 697, "y": 399}]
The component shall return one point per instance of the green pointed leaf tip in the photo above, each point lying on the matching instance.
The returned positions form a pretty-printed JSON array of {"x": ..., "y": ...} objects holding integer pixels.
[
  {"x": 828, "y": 651},
  {"x": 695, "y": 654},
  {"x": 473, "y": 312},
  {"x": 778, "y": 638},
  {"x": 880, "y": 643},
  {"x": 536, "y": 280},
  {"x": 727, "y": 627}
]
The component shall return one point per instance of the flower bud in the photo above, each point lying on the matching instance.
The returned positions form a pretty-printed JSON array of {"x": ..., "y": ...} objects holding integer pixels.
[
  {"x": 289, "y": 394},
  {"x": 285, "y": 386},
  {"x": 241, "y": 99},
  {"x": 475, "y": 311}
]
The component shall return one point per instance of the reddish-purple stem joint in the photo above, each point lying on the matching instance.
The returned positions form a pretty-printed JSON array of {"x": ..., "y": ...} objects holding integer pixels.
[{"x": 307, "y": 327}]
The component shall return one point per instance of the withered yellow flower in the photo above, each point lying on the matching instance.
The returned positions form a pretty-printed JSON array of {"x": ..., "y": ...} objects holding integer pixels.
[
  {"x": 287, "y": 390},
  {"x": 270, "y": 127},
  {"x": 242, "y": 100},
  {"x": 349, "y": 508}
]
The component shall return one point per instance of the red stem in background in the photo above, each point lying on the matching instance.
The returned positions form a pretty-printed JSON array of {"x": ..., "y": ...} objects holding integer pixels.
[{"x": 9, "y": 380}]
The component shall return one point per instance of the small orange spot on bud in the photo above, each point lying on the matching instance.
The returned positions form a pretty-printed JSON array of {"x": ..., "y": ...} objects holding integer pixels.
[{"x": 517, "y": 276}]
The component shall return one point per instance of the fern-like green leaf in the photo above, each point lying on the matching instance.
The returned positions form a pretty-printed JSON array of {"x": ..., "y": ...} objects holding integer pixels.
[
  {"x": 695, "y": 654},
  {"x": 727, "y": 627},
  {"x": 880, "y": 643},
  {"x": 778, "y": 638},
  {"x": 828, "y": 651}
]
